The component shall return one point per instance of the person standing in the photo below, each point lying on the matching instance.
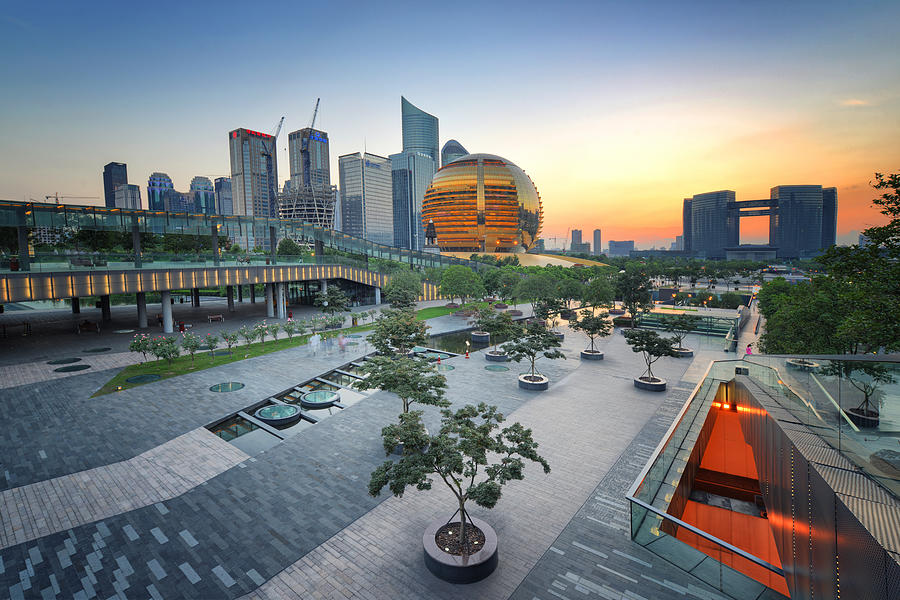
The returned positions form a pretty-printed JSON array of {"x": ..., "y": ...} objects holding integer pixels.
[
  {"x": 749, "y": 350},
  {"x": 314, "y": 343}
]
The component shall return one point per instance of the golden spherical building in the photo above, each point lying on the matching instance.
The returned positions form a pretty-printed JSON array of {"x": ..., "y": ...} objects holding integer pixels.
[{"x": 483, "y": 203}]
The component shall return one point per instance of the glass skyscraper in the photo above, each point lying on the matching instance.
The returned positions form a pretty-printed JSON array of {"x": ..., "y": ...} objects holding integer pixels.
[
  {"x": 420, "y": 131},
  {"x": 686, "y": 224},
  {"x": 204, "y": 195},
  {"x": 715, "y": 225},
  {"x": 795, "y": 228},
  {"x": 829, "y": 217},
  {"x": 598, "y": 247},
  {"x": 114, "y": 175},
  {"x": 367, "y": 208},
  {"x": 451, "y": 151},
  {"x": 159, "y": 187},
  {"x": 411, "y": 173},
  {"x": 222, "y": 186},
  {"x": 309, "y": 158},
  {"x": 254, "y": 180}
]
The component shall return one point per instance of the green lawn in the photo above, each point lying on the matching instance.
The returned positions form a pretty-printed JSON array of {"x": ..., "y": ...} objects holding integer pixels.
[
  {"x": 203, "y": 360},
  {"x": 440, "y": 311}
]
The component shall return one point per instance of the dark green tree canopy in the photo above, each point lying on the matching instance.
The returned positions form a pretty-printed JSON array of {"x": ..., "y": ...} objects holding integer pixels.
[
  {"x": 498, "y": 324},
  {"x": 288, "y": 247},
  {"x": 633, "y": 288},
  {"x": 413, "y": 379},
  {"x": 680, "y": 326},
  {"x": 593, "y": 326},
  {"x": 537, "y": 341},
  {"x": 469, "y": 454},
  {"x": 403, "y": 289},
  {"x": 599, "y": 292},
  {"x": 333, "y": 301},
  {"x": 461, "y": 282},
  {"x": 652, "y": 345},
  {"x": 397, "y": 331}
]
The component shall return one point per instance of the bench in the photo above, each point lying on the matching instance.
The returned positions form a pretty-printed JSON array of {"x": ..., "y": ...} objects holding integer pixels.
[{"x": 220, "y": 318}]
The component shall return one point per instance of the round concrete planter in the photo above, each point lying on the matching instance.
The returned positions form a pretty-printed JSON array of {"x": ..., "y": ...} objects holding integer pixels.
[
  {"x": 542, "y": 384},
  {"x": 481, "y": 337},
  {"x": 514, "y": 312},
  {"x": 499, "y": 356},
  {"x": 617, "y": 311},
  {"x": 458, "y": 569},
  {"x": 452, "y": 305},
  {"x": 864, "y": 419},
  {"x": 684, "y": 352},
  {"x": 658, "y": 385},
  {"x": 591, "y": 355},
  {"x": 559, "y": 335},
  {"x": 501, "y": 305}
]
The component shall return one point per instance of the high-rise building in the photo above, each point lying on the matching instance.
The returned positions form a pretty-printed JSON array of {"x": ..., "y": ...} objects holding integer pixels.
[
  {"x": 411, "y": 173},
  {"x": 159, "y": 188},
  {"x": 829, "y": 217},
  {"x": 204, "y": 195},
  {"x": 795, "y": 228},
  {"x": 127, "y": 196},
  {"x": 576, "y": 236},
  {"x": 114, "y": 174},
  {"x": 715, "y": 225},
  {"x": 420, "y": 131},
  {"x": 309, "y": 203},
  {"x": 309, "y": 158},
  {"x": 451, "y": 151},
  {"x": 620, "y": 248},
  {"x": 598, "y": 247},
  {"x": 254, "y": 179},
  {"x": 180, "y": 202},
  {"x": 222, "y": 186},
  {"x": 687, "y": 224},
  {"x": 367, "y": 208}
]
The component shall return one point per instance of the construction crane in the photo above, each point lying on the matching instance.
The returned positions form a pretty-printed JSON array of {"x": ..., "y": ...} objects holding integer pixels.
[
  {"x": 312, "y": 124},
  {"x": 56, "y": 197}
]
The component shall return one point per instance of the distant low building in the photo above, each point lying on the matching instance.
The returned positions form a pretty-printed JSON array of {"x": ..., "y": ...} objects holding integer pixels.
[
  {"x": 751, "y": 252},
  {"x": 620, "y": 248}
]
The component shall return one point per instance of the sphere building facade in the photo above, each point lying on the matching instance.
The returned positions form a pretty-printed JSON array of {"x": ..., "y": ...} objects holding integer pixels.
[{"x": 483, "y": 203}]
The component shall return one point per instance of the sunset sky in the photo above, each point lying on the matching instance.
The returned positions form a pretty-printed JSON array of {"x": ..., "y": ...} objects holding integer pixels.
[{"x": 616, "y": 110}]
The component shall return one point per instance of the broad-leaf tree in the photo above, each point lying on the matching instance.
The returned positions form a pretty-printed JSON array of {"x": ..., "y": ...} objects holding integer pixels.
[
  {"x": 506, "y": 284},
  {"x": 497, "y": 324},
  {"x": 413, "y": 379},
  {"x": 536, "y": 288},
  {"x": 333, "y": 301},
  {"x": 593, "y": 326},
  {"x": 680, "y": 326},
  {"x": 867, "y": 377},
  {"x": 461, "y": 282},
  {"x": 598, "y": 292},
  {"x": 633, "y": 288},
  {"x": 535, "y": 342},
  {"x": 652, "y": 345},
  {"x": 470, "y": 454},
  {"x": 403, "y": 289},
  {"x": 397, "y": 331}
]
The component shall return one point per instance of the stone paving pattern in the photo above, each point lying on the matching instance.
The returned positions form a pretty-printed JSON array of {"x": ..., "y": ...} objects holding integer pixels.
[
  {"x": 46, "y": 507},
  {"x": 302, "y": 505}
]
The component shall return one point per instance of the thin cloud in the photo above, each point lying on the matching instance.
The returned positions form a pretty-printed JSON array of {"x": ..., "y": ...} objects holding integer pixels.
[{"x": 855, "y": 102}]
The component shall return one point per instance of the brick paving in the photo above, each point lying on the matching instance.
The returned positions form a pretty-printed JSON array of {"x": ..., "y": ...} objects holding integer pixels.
[
  {"x": 296, "y": 518},
  {"x": 39, "y": 509}
]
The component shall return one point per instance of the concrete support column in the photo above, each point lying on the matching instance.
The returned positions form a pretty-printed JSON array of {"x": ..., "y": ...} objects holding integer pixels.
[
  {"x": 240, "y": 290},
  {"x": 142, "y": 310},
  {"x": 104, "y": 308},
  {"x": 378, "y": 295},
  {"x": 273, "y": 242},
  {"x": 195, "y": 297},
  {"x": 24, "y": 259},
  {"x": 215, "y": 244},
  {"x": 229, "y": 293},
  {"x": 270, "y": 300},
  {"x": 136, "y": 242},
  {"x": 252, "y": 293},
  {"x": 282, "y": 297},
  {"x": 323, "y": 286},
  {"x": 76, "y": 306},
  {"x": 168, "y": 322}
]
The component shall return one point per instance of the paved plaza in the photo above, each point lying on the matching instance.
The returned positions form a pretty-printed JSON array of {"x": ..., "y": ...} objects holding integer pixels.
[{"x": 128, "y": 495}]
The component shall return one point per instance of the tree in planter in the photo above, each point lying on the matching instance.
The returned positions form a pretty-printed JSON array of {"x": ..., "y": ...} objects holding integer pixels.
[
  {"x": 497, "y": 325},
  {"x": 598, "y": 293},
  {"x": 462, "y": 282},
  {"x": 654, "y": 347},
  {"x": 230, "y": 339},
  {"x": 633, "y": 288},
  {"x": 248, "y": 334},
  {"x": 568, "y": 290},
  {"x": 593, "y": 326},
  {"x": 680, "y": 326},
  {"x": 535, "y": 288},
  {"x": 191, "y": 343},
  {"x": 403, "y": 289},
  {"x": 398, "y": 331},
  {"x": 549, "y": 309},
  {"x": 867, "y": 377},
  {"x": 412, "y": 378},
  {"x": 460, "y": 454},
  {"x": 332, "y": 301},
  {"x": 537, "y": 341}
]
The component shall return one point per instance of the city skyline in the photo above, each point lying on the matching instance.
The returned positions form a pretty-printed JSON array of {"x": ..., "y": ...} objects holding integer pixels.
[{"x": 708, "y": 97}]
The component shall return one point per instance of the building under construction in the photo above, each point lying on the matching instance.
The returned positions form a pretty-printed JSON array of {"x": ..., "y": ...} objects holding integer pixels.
[{"x": 309, "y": 203}]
